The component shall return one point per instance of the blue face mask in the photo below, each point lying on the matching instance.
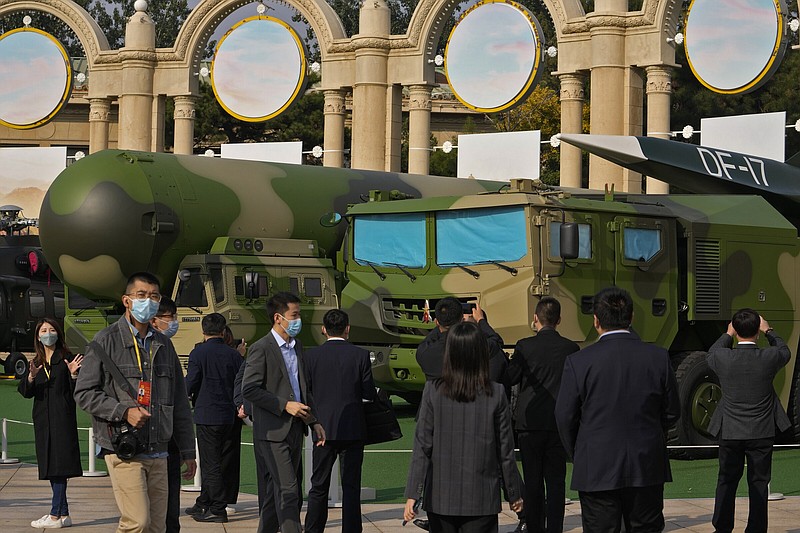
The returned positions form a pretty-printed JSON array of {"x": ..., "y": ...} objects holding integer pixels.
[
  {"x": 294, "y": 327},
  {"x": 143, "y": 310},
  {"x": 48, "y": 339},
  {"x": 171, "y": 330}
]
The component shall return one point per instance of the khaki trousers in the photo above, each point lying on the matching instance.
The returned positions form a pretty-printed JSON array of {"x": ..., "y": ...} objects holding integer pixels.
[{"x": 141, "y": 490}]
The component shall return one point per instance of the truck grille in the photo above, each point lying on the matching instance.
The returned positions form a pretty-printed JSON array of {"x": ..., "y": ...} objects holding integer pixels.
[{"x": 707, "y": 277}]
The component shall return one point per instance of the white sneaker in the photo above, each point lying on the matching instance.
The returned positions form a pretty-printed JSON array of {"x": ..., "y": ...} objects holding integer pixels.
[
  {"x": 230, "y": 510},
  {"x": 66, "y": 521},
  {"x": 46, "y": 522}
]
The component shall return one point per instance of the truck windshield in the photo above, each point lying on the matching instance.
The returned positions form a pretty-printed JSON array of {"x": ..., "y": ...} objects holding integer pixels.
[
  {"x": 390, "y": 240},
  {"x": 475, "y": 236}
]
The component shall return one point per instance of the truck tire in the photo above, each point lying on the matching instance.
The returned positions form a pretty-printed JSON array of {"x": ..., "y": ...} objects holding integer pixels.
[
  {"x": 794, "y": 408},
  {"x": 699, "y": 393},
  {"x": 16, "y": 365}
]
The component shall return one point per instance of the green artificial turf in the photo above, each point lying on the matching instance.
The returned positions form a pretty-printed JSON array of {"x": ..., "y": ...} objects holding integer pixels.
[{"x": 386, "y": 465}]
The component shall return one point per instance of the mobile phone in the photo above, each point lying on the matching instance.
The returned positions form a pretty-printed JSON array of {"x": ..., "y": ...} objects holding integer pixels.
[{"x": 466, "y": 308}]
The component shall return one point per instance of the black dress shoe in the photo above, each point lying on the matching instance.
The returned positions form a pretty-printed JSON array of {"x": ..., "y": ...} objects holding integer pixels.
[
  {"x": 195, "y": 510},
  {"x": 422, "y": 524},
  {"x": 208, "y": 516}
]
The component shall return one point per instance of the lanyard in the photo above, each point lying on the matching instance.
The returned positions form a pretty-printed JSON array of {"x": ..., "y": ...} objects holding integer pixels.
[
  {"x": 47, "y": 372},
  {"x": 139, "y": 355}
]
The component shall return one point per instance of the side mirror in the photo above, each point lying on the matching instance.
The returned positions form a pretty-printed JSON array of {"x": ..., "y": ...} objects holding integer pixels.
[
  {"x": 330, "y": 220},
  {"x": 569, "y": 241},
  {"x": 251, "y": 285},
  {"x": 184, "y": 275}
]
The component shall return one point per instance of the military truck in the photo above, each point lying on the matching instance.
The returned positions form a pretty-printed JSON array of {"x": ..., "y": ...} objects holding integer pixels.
[
  {"x": 688, "y": 261},
  {"x": 29, "y": 290}
]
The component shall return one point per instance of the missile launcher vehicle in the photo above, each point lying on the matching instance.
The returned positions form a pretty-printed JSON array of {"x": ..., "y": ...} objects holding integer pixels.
[{"x": 222, "y": 235}]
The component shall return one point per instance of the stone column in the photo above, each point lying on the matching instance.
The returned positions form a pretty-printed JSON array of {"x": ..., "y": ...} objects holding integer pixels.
[
  {"x": 159, "y": 117},
  {"x": 368, "y": 150},
  {"x": 572, "y": 96},
  {"x": 419, "y": 129},
  {"x": 659, "y": 95},
  {"x": 333, "y": 139},
  {"x": 394, "y": 127},
  {"x": 99, "y": 110},
  {"x": 138, "y": 67},
  {"x": 607, "y": 85},
  {"x": 184, "y": 124}
]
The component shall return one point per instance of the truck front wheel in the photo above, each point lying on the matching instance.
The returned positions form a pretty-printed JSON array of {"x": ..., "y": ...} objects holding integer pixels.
[
  {"x": 16, "y": 365},
  {"x": 700, "y": 393}
]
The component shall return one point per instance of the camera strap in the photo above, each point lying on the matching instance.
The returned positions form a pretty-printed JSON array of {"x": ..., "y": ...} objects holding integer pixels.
[{"x": 112, "y": 367}]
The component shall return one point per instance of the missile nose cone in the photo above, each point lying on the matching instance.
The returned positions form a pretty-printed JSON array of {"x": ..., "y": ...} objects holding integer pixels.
[
  {"x": 621, "y": 149},
  {"x": 97, "y": 216}
]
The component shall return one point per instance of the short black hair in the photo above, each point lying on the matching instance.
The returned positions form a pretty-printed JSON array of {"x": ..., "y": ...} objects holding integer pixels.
[
  {"x": 448, "y": 311},
  {"x": 167, "y": 307},
  {"x": 335, "y": 322},
  {"x": 613, "y": 308},
  {"x": 213, "y": 324},
  {"x": 146, "y": 277},
  {"x": 279, "y": 303},
  {"x": 746, "y": 323},
  {"x": 548, "y": 311}
]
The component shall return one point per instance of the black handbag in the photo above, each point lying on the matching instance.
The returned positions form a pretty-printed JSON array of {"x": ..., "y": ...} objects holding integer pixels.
[{"x": 382, "y": 424}]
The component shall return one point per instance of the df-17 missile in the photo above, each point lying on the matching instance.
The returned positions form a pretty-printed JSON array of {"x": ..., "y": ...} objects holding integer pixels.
[
  {"x": 700, "y": 169},
  {"x": 115, "y": 212}
]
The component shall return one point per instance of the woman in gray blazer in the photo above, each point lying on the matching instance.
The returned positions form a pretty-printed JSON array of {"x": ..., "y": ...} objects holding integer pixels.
[{"x": 463, "y": 443}]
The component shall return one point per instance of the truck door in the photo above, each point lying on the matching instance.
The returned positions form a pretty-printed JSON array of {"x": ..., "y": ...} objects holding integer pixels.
[{"x": 645, "y": 265}]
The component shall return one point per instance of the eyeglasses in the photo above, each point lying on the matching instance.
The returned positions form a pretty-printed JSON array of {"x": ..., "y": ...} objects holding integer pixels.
[{"x": 141, "y": 295}]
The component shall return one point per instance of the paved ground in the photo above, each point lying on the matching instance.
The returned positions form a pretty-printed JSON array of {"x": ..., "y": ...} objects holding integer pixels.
[{"x": 24, "y": 498}]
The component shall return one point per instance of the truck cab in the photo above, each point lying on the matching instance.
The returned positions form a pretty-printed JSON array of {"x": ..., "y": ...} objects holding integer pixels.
[{"x": 237, "y": 276}]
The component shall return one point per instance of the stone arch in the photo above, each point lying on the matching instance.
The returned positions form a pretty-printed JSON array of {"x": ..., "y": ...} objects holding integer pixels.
[
  {"x": 89, "y": 34},
  {"x": 208, "y": 14},
  {"x": 429, "y": 17}
]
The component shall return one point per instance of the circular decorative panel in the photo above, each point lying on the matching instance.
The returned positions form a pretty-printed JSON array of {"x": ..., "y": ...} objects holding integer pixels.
[
  {"x": 734, "y": 47},
  {"x": 492, "y": 56},
  {"x": 259, "y": 68},
  {"x": 36, "y": 78}
]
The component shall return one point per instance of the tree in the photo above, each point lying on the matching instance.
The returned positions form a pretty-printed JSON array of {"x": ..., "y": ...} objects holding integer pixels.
[{"x": 113, "y": 15}]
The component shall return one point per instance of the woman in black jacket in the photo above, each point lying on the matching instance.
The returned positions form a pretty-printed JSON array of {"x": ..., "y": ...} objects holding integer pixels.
[
  {"x": 50, "y": 381},
  {"x": 463, "y": 444}
]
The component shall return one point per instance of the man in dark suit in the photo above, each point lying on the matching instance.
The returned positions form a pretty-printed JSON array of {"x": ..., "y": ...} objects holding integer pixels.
[
  {"x": 747, "y": 416},
  {"x": 537, "y": 365},
  {"x": 275, "y": 382},
  {"x": 449, "y": 311},
  {"x": 340, "y": 378},
  {"x": 210, "y": 378},
  {"x": 617, "y": 399}
]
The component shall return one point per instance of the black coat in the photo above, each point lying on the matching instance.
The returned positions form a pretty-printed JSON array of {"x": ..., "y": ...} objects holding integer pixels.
[
  {"x": 340, "y": 377},
  {"x": 537, "y": 366},
  {"x": 616, "y": 401},
  {"x": 430, "y": 353},
  {"x": 210, "y": 379},
  {"x": 55, "y": 424}
]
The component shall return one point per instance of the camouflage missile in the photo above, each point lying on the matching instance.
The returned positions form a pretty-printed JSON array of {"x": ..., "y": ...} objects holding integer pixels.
[
  {"x": 700, "y": 169},
  {"x": 117, "y": 212}
]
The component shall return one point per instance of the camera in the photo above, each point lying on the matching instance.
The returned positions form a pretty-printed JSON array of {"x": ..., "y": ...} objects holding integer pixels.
[
  {"x": 125, "y": 440},
  {"x": 466, "y": 308}
]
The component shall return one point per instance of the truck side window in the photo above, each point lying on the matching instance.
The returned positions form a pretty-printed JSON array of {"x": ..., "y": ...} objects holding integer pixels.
[
  {"x": 58, "y": 303},
  {"x": 584, "y": 240},
  {"x": 294, "y": 286},
  {"x": 641, "y": 244},
  {"x": 313, "y": 287},
  {"x": 215, "y": 274},
  {"x": 36, "y": 302},
  {"x": 192, "y": 292},
  {"x": 263, "y": 285}
]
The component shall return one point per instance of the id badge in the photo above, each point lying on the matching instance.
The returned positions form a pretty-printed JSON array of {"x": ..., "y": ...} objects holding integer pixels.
[{"x": 144, "y": 393}]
